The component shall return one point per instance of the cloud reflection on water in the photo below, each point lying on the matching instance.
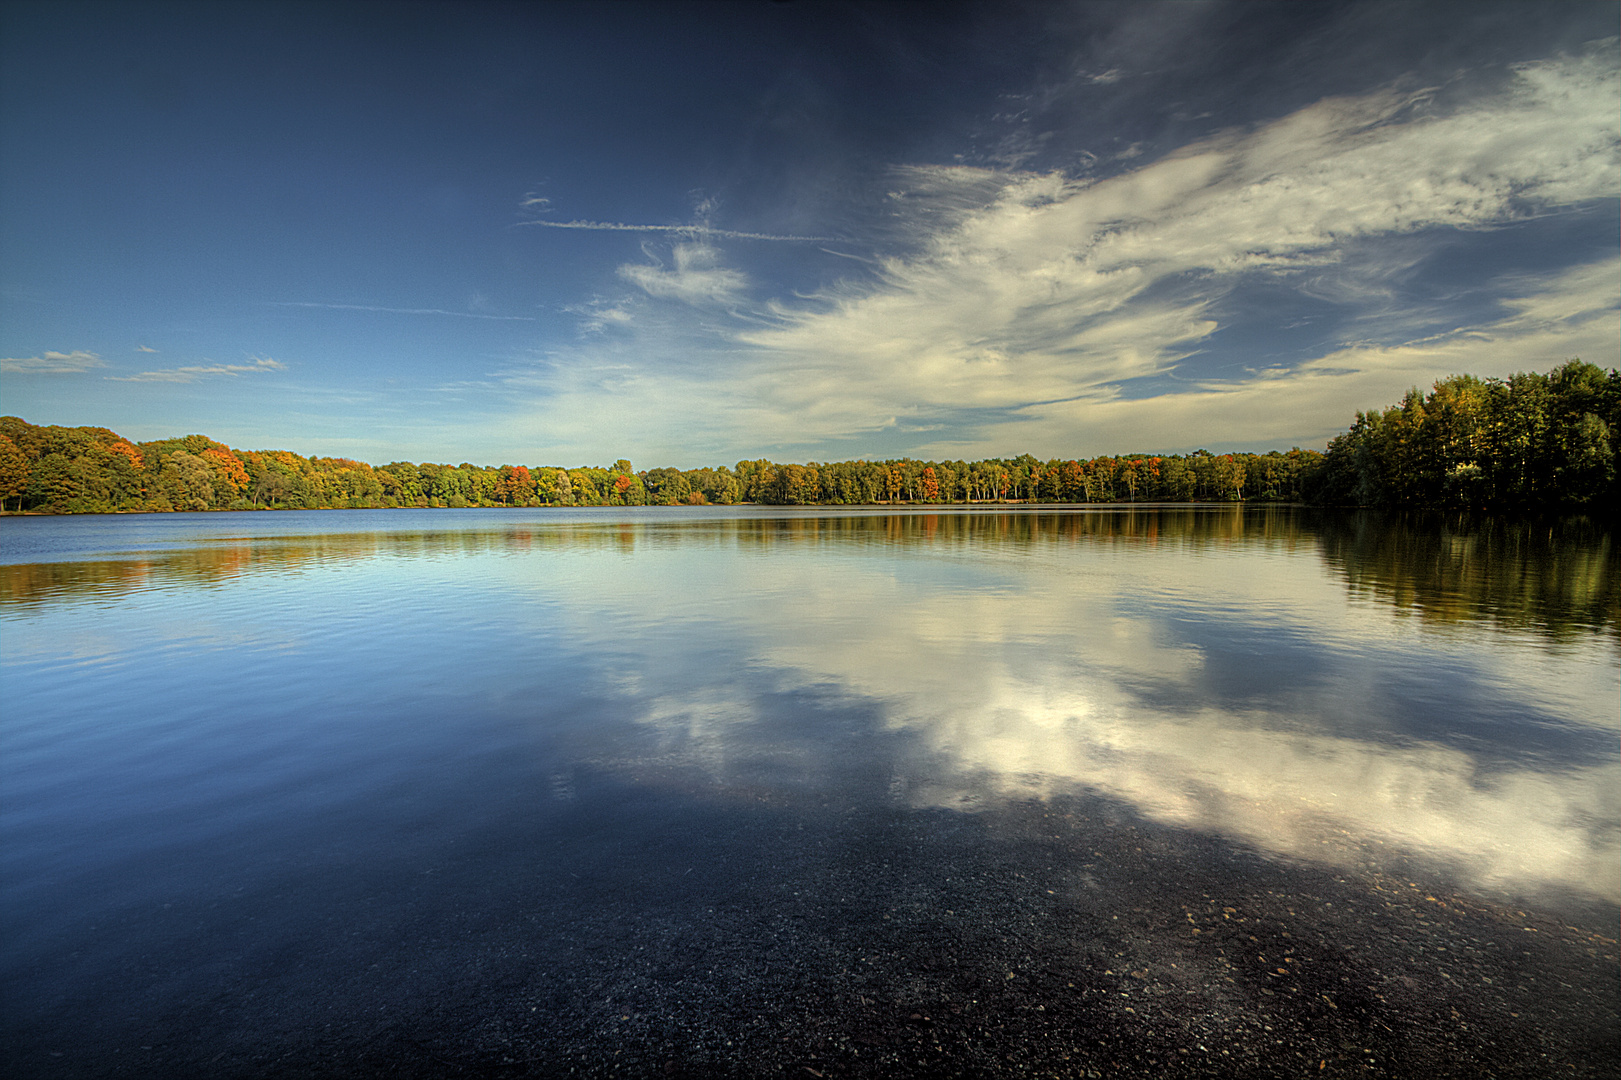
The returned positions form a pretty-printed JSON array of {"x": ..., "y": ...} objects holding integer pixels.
[
  {"x": 1256, "y": 676},
  {"x": 1027, "y": 672}
]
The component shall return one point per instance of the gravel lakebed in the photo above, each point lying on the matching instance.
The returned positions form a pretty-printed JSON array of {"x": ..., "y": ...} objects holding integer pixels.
[{"x": 661, "y": 931}]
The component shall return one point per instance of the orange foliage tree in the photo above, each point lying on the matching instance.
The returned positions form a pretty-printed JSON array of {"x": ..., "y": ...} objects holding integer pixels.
[
  {"x": 229, "y": 472},
  {"x": 126, "y": 450},
  {"x": 515, "y": 486},
  {"x": 930, "y": 485}
]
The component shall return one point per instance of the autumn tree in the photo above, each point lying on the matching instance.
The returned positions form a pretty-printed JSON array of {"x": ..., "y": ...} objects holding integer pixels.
[
  {"x": 230, "y": 477},
  {"x": 514, "y": 486},
  {"x": 13, "y": 472},
  {"x": 929, "y": 485}
]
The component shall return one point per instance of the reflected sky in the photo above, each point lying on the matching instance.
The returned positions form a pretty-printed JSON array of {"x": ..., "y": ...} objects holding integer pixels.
[{"x": 1322, "y": 689}]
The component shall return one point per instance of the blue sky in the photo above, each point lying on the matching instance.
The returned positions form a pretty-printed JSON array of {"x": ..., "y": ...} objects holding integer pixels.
[{"x": 689, "y": 234}]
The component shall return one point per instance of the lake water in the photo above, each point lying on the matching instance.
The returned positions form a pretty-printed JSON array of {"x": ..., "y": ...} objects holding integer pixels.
[{"x": 801, "y": 793}]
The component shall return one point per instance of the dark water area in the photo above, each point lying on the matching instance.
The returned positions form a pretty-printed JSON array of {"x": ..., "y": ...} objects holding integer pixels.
[{"x": 750, "y": 792}]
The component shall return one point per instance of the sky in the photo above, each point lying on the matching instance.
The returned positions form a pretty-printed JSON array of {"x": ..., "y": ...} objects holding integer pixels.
[{"x": 689, "y": 234}]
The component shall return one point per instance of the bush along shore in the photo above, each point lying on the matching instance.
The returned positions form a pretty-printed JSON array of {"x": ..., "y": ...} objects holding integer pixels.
[{"x": 1530, "y": 441}]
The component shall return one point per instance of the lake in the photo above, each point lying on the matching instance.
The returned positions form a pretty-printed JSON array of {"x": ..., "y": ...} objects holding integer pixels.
[{"x": 775, "y": 792}]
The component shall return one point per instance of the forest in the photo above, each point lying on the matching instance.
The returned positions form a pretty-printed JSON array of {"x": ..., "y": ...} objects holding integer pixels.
[{"x": 1532, "y": 440}]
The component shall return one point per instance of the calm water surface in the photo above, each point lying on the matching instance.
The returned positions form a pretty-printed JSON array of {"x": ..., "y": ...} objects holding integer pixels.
[{"x": 750, "y": 791}]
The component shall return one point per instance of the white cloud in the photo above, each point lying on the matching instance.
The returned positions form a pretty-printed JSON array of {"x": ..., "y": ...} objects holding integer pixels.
[
  {"x": 600, "y": 314},
  {"x": 194, "y": 372},
  {"x": 1058, "y": 288},
  {"x": 1576, "y": 313},
  {"x": 52, "y": 363},
  {"x": 145, "y": 348},
  {"x": 1034, "y": 297},
  {"x": 695, "y": 278}
]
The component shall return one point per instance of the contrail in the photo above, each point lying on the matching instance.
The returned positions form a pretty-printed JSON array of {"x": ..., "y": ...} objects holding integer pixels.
[
  {"x": 401, "y": 311},
  {"x": 701, "y": 230}
]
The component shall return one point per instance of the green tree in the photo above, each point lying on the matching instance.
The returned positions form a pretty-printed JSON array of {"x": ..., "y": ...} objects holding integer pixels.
[
  {"x": 719, "y": 485},
  {"x": 1230, "y": 477},
  {"x": 56, "y": 481},
  {"x": 554, "y": 487},
  {"x": 186, "y": 481},
  {"x": 665, "y": 487},
  {"x": 586, "y": 490}
]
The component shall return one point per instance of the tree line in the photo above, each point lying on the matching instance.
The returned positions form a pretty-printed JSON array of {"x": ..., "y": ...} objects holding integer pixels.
[
  {"x": 1528, "y": 440},
  {"x": 1532, "y": 439},
  {"x": 94, "y": 470}
]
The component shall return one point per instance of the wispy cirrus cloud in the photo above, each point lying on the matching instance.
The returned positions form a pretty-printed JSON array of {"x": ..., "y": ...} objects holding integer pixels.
[
  {"x": 1574, "y": 313},
  {"x": 597, "y": 315},
  {"x": 145, "y": 349},
  {"x": 194, "y": 372},
  {"x": 1058, "y": 289},
  {"x": 1025, "y": 301},
  {"x": 52, "y": 363},
  {"x": 694, "y": 276},
  {"x": 401, "y": 311}
]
